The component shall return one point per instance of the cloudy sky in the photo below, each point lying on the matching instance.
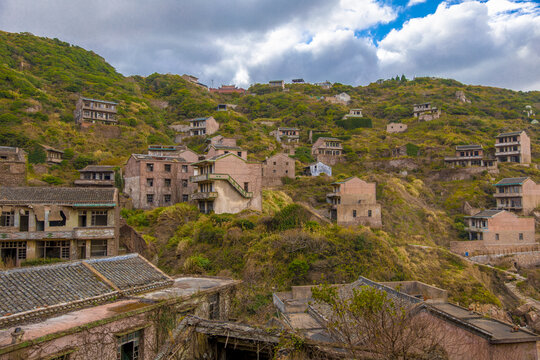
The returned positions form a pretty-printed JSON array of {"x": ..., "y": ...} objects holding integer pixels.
[{"x": 493, "y": 42}]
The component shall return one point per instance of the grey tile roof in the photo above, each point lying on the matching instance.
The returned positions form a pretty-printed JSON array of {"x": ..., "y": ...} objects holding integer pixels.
[
  {"x": 100, "y": 101},
  {"x": 49, "y": 148},
  {"x": 511, "y": 181},
  {"x": 56, "y": 195},
  {"x": 158, "y": 157},
  {"x": 486, "y": 214},
  {"x": 92, "y": 168},
  {"x": 469, "y": 147},
  {"x": 225, "y": 147}
]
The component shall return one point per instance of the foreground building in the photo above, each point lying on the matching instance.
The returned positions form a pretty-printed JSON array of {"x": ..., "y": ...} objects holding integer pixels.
[
  {"x": 275, "y": 168},
  {"x": 56, "y": 222},
  {"x": 91, "y": 111},
  {"x": 327, "y": 150},
  {"x": 112, "y": 308},
  {"x": 513, "y": 147},
  {"x": 471, "y": 156},
  {"x": 12, "y": 166},
  {"x": 203, "y": 126},
  {"x": 96, "y": 176},
  {"x": 227, "y": 184},
  {"x": 317, "y": 169},
  {"x": 353, "y": 202},
  {"x": 425, "y": 112},
  {"x": 518, "y": 194}
]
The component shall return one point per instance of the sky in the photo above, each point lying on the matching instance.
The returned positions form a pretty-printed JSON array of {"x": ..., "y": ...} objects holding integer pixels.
[{"x": 484, "y": 42}]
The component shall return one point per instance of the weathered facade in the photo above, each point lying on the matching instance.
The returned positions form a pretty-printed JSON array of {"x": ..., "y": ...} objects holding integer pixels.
[
  {"x": 92, "y": 111},
  {"x": 53, "y": 156},
  {"x": 219, "y": 149},
  {"x": 327, "y": 150},
  {"x": 342, "y": 99},
  {"x": 96, "y": 176},
  {"x": 12, "y": 166},
  {"x": 181, "y": 132},
  {"x": 277, "y": 83},
  {"x": 220, "y": 140},
  {"x": 55, "y": 222},
  {"x": 425, "y": 112},
  {"x": 317, "y": 169},
  {"x": 471, "y": 156},
  {"x": 287, "y": 135},
  {"x": 275, "y": 168},
  {"x": 354, "y": 202},
  {"x": 396, "y": 128},
  {"x": 203, "y": 126},
  {"x": 228, "y": 89},
  {"x": 227, "y": 184},
  {"x": 513, "y": 147},
  {"x": 521, "y": 195},
  {"x": 354, "y": 113}
]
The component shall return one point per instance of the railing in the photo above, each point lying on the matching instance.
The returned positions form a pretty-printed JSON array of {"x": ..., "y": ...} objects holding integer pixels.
[
  {"x": 509, "y": 194},
  {"x": 506, "y": 143},
  {"x": 204, "y": 195},
  {"x": 213, "y": 176},
  {"x": 94, "y": 232}
]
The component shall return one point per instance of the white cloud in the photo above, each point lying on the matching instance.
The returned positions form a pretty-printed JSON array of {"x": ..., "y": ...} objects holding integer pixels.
[{"x": 415, "y": 2}]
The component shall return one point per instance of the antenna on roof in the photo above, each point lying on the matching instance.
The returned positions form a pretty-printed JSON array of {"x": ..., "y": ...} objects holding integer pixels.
[{"x": 212, "y": 82}]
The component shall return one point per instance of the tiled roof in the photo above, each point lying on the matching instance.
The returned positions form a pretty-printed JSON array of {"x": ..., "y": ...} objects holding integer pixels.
[
  {"x": 49, "y": 148},
  {"x": 100, "y": 101},
  {"x": 225, "y": 147},
  {"x": 56, "y": 195},
  {"x": 328, "y": 139},
  {"x": 158, "y": 157},
  {"x": 198, "y": 119},
  {"x": 514, "y": 133},
  {"x": 511, "y": 181},
  {"x": 486, "y": 214},
  {"x": 288, "y": 128},
  {"x": 469, "y": 147},
  {"x": 6, "y": 149},
  {"x": 92, "y": 168}
]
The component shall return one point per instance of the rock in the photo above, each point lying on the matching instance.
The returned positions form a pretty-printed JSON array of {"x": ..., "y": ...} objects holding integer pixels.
[
  {"x": 522, "y": 310},
  {"x": 460, "y": 95}
]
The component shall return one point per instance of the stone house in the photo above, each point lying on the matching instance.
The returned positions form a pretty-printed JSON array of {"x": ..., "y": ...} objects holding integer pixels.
[
  {"x": 462, "y": 333},
  {"x": 277, "y": 83},
  {"x": 425, "y": 112},
  {"x": 342, "y": 99},
  {"x": 12, "y": 166},
  {"x": 277, "y": 167},
  {"x": 203, "y": 126},
  {"x": 327, "y": 150},
  {"x": 353, "y": 113},
  {"x": 317, "y": 168},
  {"x": 287, "y": 134},
  {"x": 53, "y": 156},
  {"x": 228, "y": 89},
  {"x": 181, "y": 132},
  {"x": 513, "y": 147},
  {"x": 153, "y": 181},
  {"x": 226, "y": 107},
  {"x": 396, "y": 128},
  {"x": 56, "y": 222},
  {"x": 471, "y": 156},
  {"x": 354, "y": 202},
  {"x": 519, "y": 194},
  {"x": 119, "y": 307},
  {"x": 96, "y": 176},
  {"x": 227, "y": 184},
  {"x": 92, "y": 111}
]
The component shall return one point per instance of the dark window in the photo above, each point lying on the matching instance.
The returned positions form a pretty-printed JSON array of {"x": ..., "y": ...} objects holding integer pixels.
[
  {"x": 185, "y": 198},
  {"x": 275, "y": 163},
  {"x": 167, "y": 198},
  {"x": 129, "y": 346},
  {"x": 53, "y": 249},
  {"x": 168, "y": 167},
  {"x": 60, "y": 222},
  {"x": 354, "y": 213},
  {"x": 99, "y": 218},
  {"x": 149, "y": 198},
  {"x": 246, "y": 186},
  {"x": 184, "y": 183},
  {"x": 496, "y": 236},
  {"x": 98, "y": 248},
  {"x": 168, "y": 182},
  {"x": 184, "y": 168},
  {"x": 520, "y": 236},
  {"x": 82, "y": 218},
  {"x": 369, "y": 213},
  {"x": 150, "y": 182},
  {"x": 213, "y": 306},
  {"x": 274, "y": 171},
  {"x": 7, "y": 218},
  {"x": 149, "y": 167},
  {"x": 239, "y": 153}
]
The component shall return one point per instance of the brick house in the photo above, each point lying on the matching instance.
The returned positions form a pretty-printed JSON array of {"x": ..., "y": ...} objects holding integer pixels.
[
  {"x": 53, "y": 156},
  {"x": 287, "y": 134},
  {"x": 152, "y": 181},
  {"x": 396, "y": 128},
  {"x": 221, "y": 140},
  {"x": 317, "y": 168},
  {"x": 120, "y": 307},
  {"x": 513, "y": 147},
  {"x": 96, "y": 176},
  {"x": 470, "y": 156},
  {"x": 425, "y": 112},
  {"x": 92, "y": 111},
  {"x": 56, "y": 222},
  {"x": 327, "y": 150},
  {"x": 354, "y": 202},
  {"x": 12, "y": 166},
  {"x": 275, "y": 168},
  {"x": 227, "y": 184},
  {"x": 203, "y": 126},
  {"x": 353, "y": 113},
  {"x": 518, "y": 194}
]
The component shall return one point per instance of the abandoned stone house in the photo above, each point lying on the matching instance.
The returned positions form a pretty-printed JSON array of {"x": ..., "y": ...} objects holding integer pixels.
[
  {"x": 354, "y": 202},
  {"x": 324, "y": 85},
  {"x": 221, "y": 140},
  {"x": 471, "y": 156},
  {"x": 96, "y": 176},
  {"x": 203, "y": 126},
  {"x": 12, "y": 166},
  {"x": 56, "y": 222},
  {"x": 327, "y": 150},
  {"x": 287, "y": 134},
  {"x": 513, "y": 147},
  {"x": 277, "y": 83},
  {"x": 110, "y": 308},
  {"x": 342, "y": 98},
  {"x": 317, "y": 168},
  {"x": 92, "y": 111},
  {"x": 396, "y": 128},
  {"x": 521, "y": 195},
  {"x": 227, "y": 184},
  {"x": 213, "y": 150},
  {"x": 228, "y": 89},
  {"x": 226, "y": 107},
  {"x": 153, "y": 181},
  {"x": 53, "y": 156},
  {"x": 425, "y": 112},
  {"x": 181, "y": 131},
  {"x": 277, "y": 167},
  {"x": 462, "y": 333},
  {"x": 353, "y": 113}
]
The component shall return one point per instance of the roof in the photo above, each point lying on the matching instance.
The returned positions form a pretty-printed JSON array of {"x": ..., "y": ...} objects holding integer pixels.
[
  {"x": 511, "y": 181},
  {"x": 5, "y": 149},
  {"x": 328, "y": 138},
  {"x": 199, "y": 119},
  {"x": 225, "y": 147},
  {"x": 41, "y": 287},
  {"x": 92, "y": 168},
  {"x": 345, "y": 180},
  {"x": 101, "y": 101},
  {"x": 158, "y": 157},
  {"x": 288, "y": 128},
  {"x": 486, "y": 214},
  {"x": 57, "y": 195},
  {"x": 317, "y": 163},
  {"x": 469, "y": 147},
  {"x": 165, "y": 147},
  {"x": 46, "y": 147},
  {"x": 510, "y": 133},
  {"x": 216, "y": 157}
]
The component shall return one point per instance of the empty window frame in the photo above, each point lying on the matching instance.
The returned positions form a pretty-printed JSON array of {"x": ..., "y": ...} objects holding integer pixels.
[
  {"x": 129, "y": 346},
  {"x": 98, "y": 248},
  {"x": 99, "y": 218},
  {"x": 7, "y": 218}
]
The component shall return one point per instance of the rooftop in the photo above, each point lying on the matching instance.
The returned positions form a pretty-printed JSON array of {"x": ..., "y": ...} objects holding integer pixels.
[
  {"x": 100, "y": 101},
  {"x": 288, "y": 128},
  {"x": 511, "y": 181},
  {"x": 469, "y": 147},
  {"x": 224, "y": 147},
  {"x": 49, "y": 148},
  {"x": 329, "y": 139},
  {"x": 95, "y": 168},
  {"x": 56, "y": 195},
  {"x": 510, "y": 133},
  {"x": 5, "y": 149},
  {"x": 199, "y": 119},
  {"x": 486, "y": 214},
  {"x": 158, "y": 157}
]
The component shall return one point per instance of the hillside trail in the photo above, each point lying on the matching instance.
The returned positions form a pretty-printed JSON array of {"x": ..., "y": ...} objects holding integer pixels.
[{"x": 314, "y": 212}]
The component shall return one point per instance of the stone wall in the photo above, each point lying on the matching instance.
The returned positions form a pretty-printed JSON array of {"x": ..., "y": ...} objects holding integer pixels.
[{"x": 12, "y": 173}]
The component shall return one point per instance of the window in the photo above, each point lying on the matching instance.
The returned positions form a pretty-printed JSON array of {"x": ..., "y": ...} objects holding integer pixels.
[
  {"x": 167, "y": 182},
  {"x": 354, "y": 213},
  {"x": 150, "y": 167},
  {"x": 82, "y": 218},
  {"x": 129, "y": 346},
  {"x": 7, "y": 218},
  {"x": 184, "y": 168},
  {"x": 246, "y": 186},
  {"x": 239, "y": 153},
  {"x": 149, "y": 182},
  {"x": 167, "y": 167},
  {"x": 99, "y": 218},
  {"x": 98, "y": 248},
  {"x": 274, "y": 171},
  {"x": 369, "y": 213},
  {"x": 287, "y": 163},
  {"x": 149, "y": 198},
  {"x": 496, "y": 236},
  {"x": 167, "y": 198},
  {"x": 286, "y": 171},
  {"x": 275, "y": 163},
  {"x": 213, "y": 306},
  {"x": 184, "y": 183},
  {"x": 185, "y": 198},
  {"x": 520, "y": 236},
  {"x": 53, "y": 249},
  {"x": 59, "y": 222}
]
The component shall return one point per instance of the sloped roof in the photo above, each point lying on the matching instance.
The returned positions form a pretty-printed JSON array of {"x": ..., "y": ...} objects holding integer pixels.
[
  {"x": 57, "y": 195},
  {"x": 93, "y": 168},
  {"x": 486, "y": 213},
  {"x": 49, "y": 148},
  {"x": 5, "y": 149},
  {"x": 514, "y": 133},
  {"x": 100, "y": 101},
  {"x": 158, "y": 157},
  {"x": 224, "y": 147},
  {"x": 469, "y": 147},
  {"x": 347, "y": 179},
  {"x": 511, "y": 181},
  {"x": 329, "y": 139}
]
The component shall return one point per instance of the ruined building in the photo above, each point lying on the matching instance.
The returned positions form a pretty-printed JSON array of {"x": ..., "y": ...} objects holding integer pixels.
[
  {"x": 277, "y": 167},
  {"x": 425, "y": 112},
  {"x": 317, "y": 168},
  {"x": 396, "y": 128},
  {"x": 203, "y": 126},
  {"x": 513, "y": 147},
  {"x": 327, "y": 150},
  {"x": 92, "y": 111},
  {"x": 12, "y": 166},
  {"x": 521, "y": 195},
  {"x": 354, "y": 113},
  {"x": 53, "y": 156},
  {"x": 96, "y": 176},
  {"x": 287, "y": 134},
  {"x": 56, "y": 222},
  {"x": 471, "y": 156}
]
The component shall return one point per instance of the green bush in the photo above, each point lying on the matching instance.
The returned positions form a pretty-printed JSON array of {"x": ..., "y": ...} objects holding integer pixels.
[
  {"x": 209, "y": 234},
  {"x": 290, "y": 217},
  {"x": 412, "y": 150},
  {"x": 82, "y": 161},
  {"x": 9, "y": 119},
  {"x": 298, "y": 269},
  {"x": 37, "y": 155},
  {"x": 355, "y": 123},
  {"x": 52, "y": 180}
]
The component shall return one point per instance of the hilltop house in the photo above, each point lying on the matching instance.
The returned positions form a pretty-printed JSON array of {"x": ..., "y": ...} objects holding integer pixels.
[
  {"x": 342, "y": 99},
  {"x": 317, "y": 168},
  {"x": 513, "y": 147},
  {"x": 12, "y": 166},
  {"x": 53, "y": 156},
  {"x": 203, "y": 126},
  {"x": 227, "y": 184},
  {"x": 228, "y": 89},
  {"x": 353, "y": 202},
  {"x": 471, "y": 156},
  {"x": 324, "y": 85},
  {"x": 92, "y": 111},
  {"x": 353, "y": 113},
  {"x": 277, "y": 83},
  {"x": 519, "y": 194},
  {"x": 396, "y": 128},
  {"x": 119, "y": 307},
  {"x": 57, "y": 222},
  {"x": 425, "y": 112},
  {"x": 96, "y": 176},
  {"x": 327, "y": 150},
  {"x": 298, "y": 81},
  {"x": 275, "y": 168},
  {"x": 287, "y": 134}
]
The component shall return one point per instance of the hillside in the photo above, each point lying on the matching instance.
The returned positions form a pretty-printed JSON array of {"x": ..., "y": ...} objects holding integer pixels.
[{"x": 40, "y": 80}]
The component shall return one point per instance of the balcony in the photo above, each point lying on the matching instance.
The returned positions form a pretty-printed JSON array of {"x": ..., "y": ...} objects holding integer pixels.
[
  {"x": 464, "y": 158},
  {"x": 507, "y": 143},
  {"x": 518, "y": 195},
  {"x": 204, "y": 195},
  {"x": 225, "y": 177},
  {"x": 333, "y": 194},
  {"x": 476, "y": 229},
  {"x": 510, "y": 207},
  {"x": 508, "y": 153},
  {"x": 83, "y": 233}
]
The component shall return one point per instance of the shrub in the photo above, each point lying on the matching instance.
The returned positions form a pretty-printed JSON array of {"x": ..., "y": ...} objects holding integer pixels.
[
  {"x": 290, "y": 217},
  {"x": 209, "y": 234},
  {"x": 298, "y": 269},
  {"x": 354, "y": 123},
  {"x": 52, "y": 180},
  {"x": 37, "y": 155},
  {"x": 9, "y": 119},
  {"x": 82, "y": 161},
  {"x": 412, "y": 150}
]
